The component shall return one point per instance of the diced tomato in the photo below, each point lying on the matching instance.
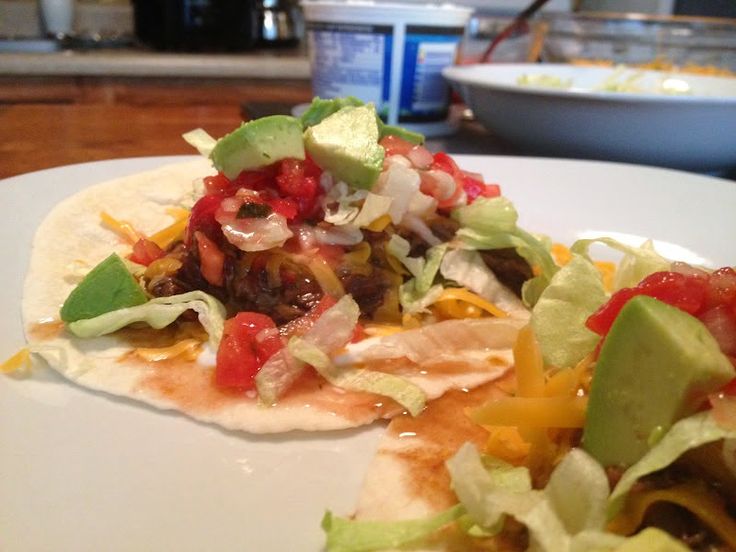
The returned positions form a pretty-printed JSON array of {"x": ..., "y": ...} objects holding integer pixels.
[
  {"x": 218, "y": 184},
  {"x": 721, "y": 323},
  {"x": 249, "y": 340},
  {"x": 475, "y": 188},
  {"x": 285, "y": 207},
  {"x": 687, "y": 293},
  {"x": 258, "y": 179},
  {"x": 202, "y": 218},
  {"x": 145, "y": 252},
  {"x": 299, "y": 181},
  {"x": 211, "y": 259},
  {"x": 393, "y": 145},
  {"x": 730, "y": 388},
  {"x": 722, "y": 287},
  {"x": 444, "y": 162},
  {"x": 358, "y": 334}
]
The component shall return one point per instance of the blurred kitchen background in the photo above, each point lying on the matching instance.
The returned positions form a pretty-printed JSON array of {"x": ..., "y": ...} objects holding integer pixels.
[
  {"x": 220, "y": 59},
  {"x": 160, "y": 50}
]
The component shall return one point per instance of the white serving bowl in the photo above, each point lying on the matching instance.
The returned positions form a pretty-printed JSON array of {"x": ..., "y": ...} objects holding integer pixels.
[{"x": 691, "y": 130}]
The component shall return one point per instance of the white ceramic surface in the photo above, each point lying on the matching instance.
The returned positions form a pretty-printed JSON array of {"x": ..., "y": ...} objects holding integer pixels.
[
  {"x": 80, "y": 471},
  {"x": 693, "y": 131}
]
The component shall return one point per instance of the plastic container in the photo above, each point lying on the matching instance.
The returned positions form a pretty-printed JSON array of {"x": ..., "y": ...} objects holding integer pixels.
[{"x": 389, "y": 54}]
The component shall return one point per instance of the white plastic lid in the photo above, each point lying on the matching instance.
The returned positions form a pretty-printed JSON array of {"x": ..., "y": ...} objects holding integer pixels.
[{"x": 388, "y": 13}]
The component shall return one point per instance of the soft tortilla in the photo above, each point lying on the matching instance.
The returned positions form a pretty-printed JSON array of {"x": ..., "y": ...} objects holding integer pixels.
[{"x": 71, "y": 240}]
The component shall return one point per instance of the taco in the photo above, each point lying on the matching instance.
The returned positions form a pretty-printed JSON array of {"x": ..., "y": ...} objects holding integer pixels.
[{"x": 315, "y": 273}]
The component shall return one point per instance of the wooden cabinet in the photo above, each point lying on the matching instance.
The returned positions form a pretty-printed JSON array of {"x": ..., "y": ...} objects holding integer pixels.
[{"x": 151, "y": 90}]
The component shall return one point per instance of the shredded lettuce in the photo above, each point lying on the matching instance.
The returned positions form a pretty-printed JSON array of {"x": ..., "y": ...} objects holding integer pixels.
[
  {"x": 158, "y": 313},
  {"x": 341, "y": 194},
  {"x": 558, "y": 318},
  {"x": 374, "y": 207},
  {"x": 569, "y": 515},
  {"x": 467, "y": 269},
  {"x": 402, "y": 391},
  {"x": 332, "y": 330},
  {"x": 424, "y": 269},
  {"x": 413, "y": 301},
  {"x": 401, "y": 184},
  {"x": 636, "y": 264},
  {"x": 344, "y": 535},
  {"x": 490, "y": 223},
  {"x": 200, "y": 140},
  {"x": 688, "y": 433},
  {"x": 474, "y": 485}
]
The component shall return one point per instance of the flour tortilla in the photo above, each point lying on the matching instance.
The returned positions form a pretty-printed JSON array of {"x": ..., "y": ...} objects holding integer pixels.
[{"x": 71, "y": 240}]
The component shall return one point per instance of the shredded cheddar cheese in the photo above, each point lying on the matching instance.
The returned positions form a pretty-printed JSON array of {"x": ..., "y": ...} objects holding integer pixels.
[
  {"x": 382, "y": 329},
  {"x": 562, "y": 256},
  {"x": 122, "y": 228},
  {"x": 187, "y": 349},
  {"x": 18, "y": 362},
  {"x": 379, "y": 224},
  {"x": 172, "y": 233},
  {"x": 532, "y": 412},
  {"x": 326, "y": 277},
  {"x": 462, "y": 294}
]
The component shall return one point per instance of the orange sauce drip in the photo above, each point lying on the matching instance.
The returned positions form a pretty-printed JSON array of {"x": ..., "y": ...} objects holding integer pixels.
[
  {"x": 440, "y": 431},
  {"x": 43, "y": 331},
  {"x": 191, "y": 387}
]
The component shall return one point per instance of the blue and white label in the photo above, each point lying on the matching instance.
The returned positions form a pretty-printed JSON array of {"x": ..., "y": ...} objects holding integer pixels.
[
  {"x": 425, "y": 96},
  {"x": 351, "y": 60}
]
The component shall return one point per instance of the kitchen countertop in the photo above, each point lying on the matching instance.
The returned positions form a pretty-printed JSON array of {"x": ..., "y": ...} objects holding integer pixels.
[{"x": 258, "y": 64}]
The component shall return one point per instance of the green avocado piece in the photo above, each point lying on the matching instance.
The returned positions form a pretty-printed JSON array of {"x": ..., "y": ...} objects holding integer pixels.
[
  {"x": 346, "y": 144},
  {"x": 656, "y": 366},
  {"x": 109, "y": 286},
  {"x": 321, "y": 109},
  {"x": 404, "y": 134},
  {"x": 258, "y": 143}
]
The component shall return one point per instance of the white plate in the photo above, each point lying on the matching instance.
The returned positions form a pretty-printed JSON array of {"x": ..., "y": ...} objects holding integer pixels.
[
  {"x": 80, "y": 471},
  {"x": 693, "y": 131}
]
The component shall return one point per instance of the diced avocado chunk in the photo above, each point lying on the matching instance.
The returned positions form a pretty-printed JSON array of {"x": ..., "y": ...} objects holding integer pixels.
[
  {"x": 109, "y": 286},
  {"x": 404, "y": 134},
  {"x": 258, "y": 143},
  {"x": 656, "y": 366},
  {"x": 346, "y": 145},
  {"x": 321, "y": 109}
]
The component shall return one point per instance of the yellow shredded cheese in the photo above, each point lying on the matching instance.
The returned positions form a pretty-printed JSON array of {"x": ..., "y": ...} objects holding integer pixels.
[
  {"x": 122, "y": 228},
  {"x": 187, "y": 349},
  {"x": 532, "y": 412},
  {"x": 162, "y": 267},
  {"x": 529, "y": 365},
  {"x": 379, "y": 224},
  {"x": 462, "y": 294},
  {"x": 506, "y": 443},
  {"x": 382, "y": 329},
  {"x": 19, "y": 361},
  {"x": 561, "y": 254},
  {"x": 608, "y": 271},
  {"x": 172, "y": 233},
  {"x": 452, "y": 308},
  {"x": 326, "y": 277}
]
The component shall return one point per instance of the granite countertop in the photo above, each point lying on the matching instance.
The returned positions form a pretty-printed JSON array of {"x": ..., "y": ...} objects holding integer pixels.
[{"x": 271, "y": 64}]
